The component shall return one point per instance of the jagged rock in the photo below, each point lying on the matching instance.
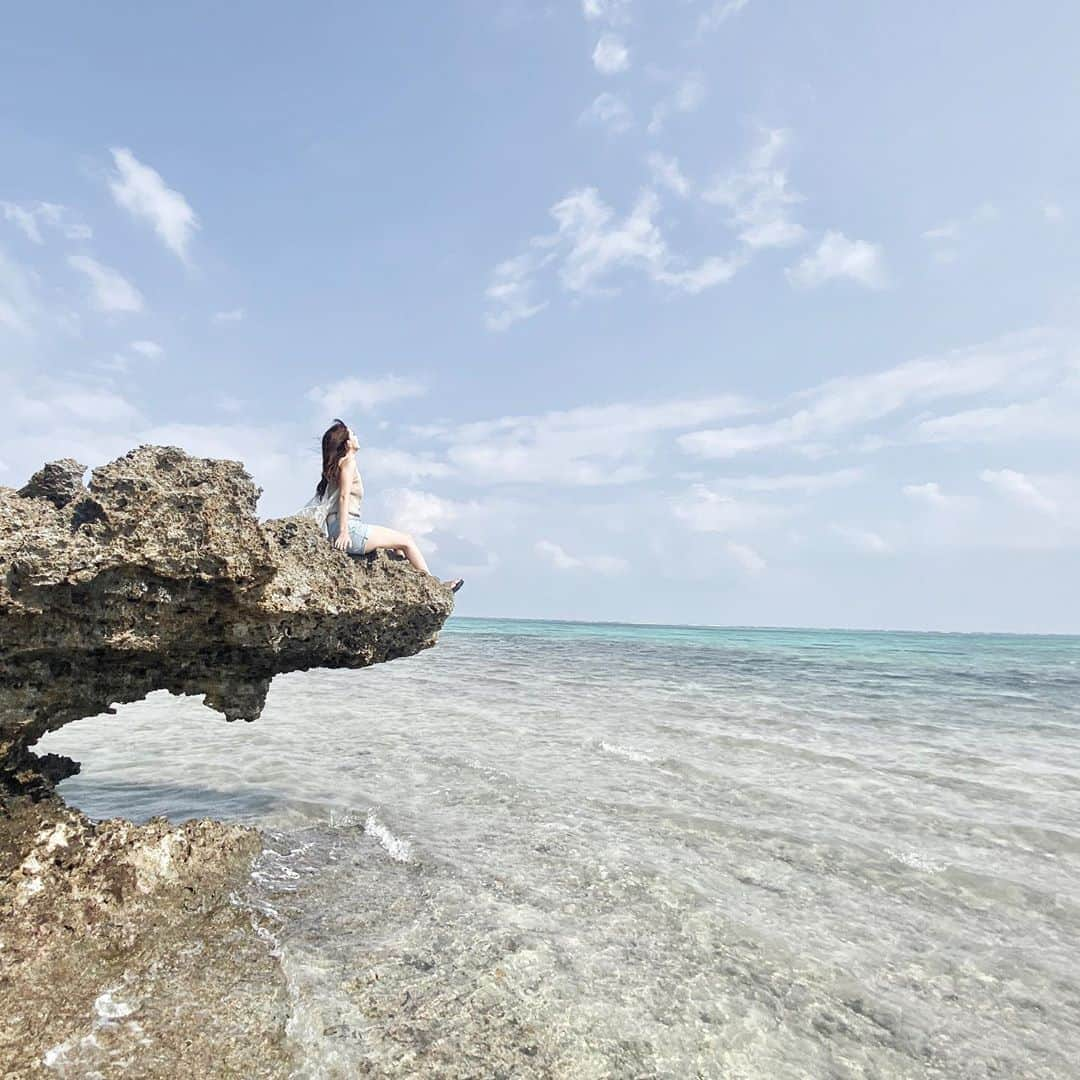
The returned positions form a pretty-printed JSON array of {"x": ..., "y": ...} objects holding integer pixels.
[
  {"x": 157, "y": 576},
  {"x": 160, "y": 576},
  {"x": 61, "y": 482}
]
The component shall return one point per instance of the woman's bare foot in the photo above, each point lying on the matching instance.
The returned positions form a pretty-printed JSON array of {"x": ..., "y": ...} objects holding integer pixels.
[{"x": 455, "y": 584}]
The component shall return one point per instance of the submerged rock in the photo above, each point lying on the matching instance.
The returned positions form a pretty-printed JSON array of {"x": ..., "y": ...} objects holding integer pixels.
[{"x": 158, "y": 575}]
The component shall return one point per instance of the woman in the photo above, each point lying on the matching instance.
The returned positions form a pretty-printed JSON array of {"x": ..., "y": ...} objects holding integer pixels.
[{"x": 341, "y": 489}]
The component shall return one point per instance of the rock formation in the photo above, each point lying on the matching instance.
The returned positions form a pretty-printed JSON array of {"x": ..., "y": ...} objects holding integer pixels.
[{"x": 156, "y": 576}]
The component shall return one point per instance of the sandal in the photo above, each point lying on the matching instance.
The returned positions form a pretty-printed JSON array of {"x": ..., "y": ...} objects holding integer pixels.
[{"x": 454, "y": 585}]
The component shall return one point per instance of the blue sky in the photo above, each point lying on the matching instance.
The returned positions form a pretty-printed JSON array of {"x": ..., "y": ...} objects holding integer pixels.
[{"x": 736, "y": 312}]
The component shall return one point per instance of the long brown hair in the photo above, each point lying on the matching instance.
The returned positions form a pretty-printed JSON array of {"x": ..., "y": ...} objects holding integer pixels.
[{"x": 335, "y": 445}]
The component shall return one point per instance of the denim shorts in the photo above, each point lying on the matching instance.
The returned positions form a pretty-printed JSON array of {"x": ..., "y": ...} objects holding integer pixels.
[{"x": 358, "y": 532}]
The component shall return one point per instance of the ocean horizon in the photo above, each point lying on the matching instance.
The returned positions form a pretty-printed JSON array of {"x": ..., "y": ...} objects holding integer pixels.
[{"x": 456, "y": 619}]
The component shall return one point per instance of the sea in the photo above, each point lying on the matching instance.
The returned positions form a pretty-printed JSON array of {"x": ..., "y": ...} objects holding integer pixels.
[{"x": 585, "y": 851}]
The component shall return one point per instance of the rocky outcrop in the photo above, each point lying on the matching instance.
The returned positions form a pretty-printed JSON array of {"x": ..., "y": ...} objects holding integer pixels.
[{"x": 158, "y": 575}]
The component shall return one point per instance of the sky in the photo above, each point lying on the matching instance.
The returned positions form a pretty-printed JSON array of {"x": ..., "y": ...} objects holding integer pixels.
[{"x": 727, "y": 312}]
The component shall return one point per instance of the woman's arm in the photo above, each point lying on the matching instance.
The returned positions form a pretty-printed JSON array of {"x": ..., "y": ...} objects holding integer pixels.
[
  {"x": 344, "y": 484},
  {"x": 345, "y": 476}
]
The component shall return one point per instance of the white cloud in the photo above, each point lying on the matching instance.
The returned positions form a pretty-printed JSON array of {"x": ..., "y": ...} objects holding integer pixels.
[
  {"x": 1043, "y": 418},
  {"x": 11, "y": 318},
  {"x": 863, "y": 540},
  {"x": 24, "y": 218},
  {"x": 52, "y": 404},
  {"x": 666, "y": 173},
  {"x": 946, "y": 235},
  {"x": 510, "y": 294},
  {"x": 719, "y": 12},
  {"x": 803, "y": 483},
  {"x": 421, "y": 513},
  {"x": 706, "y": 510},
  {"x": 591, "y": 247},
  {"x": 850, "y": 401},
  {"x": 838, "y": 257},
  {"x": 687, "y": 96},
  {"x": 758, "y": 197},
  {"x": 1017, "y": 486},
  {"x": 150, "y": 349},
  {"x": 929, "y": 492},
  {"x": 31, "y": 217},
  {"x": 111, "y": 290},
  {"x": 18, "y": 303},
  {"x": 609, "y": 111},
  {"x": 611, "y": 56},
  {"x": 231, "y": 316},
  {"x": 586, "y": 446},
  {"x": 612, "y": 11},
  {"x": 746, "y": 557},
  {"x": 1053, "y": 213},
  {"x": 366, "y": 394},
  {"x": 598, "y": 245},
  {"x": 599, "y": 564},
  {"x": 401, "y": 464},
  {"x": 141, "y": 191}
]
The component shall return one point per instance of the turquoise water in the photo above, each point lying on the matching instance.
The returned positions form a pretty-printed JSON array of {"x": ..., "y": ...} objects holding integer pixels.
[{"x": 558, "y": 849}]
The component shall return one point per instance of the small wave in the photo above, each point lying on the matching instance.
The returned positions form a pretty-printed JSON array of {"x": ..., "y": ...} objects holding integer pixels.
[
  {"x": 627, "y": 752},
  {"x": 917, "y": 860},
  {"x": 398, "y": 850}
]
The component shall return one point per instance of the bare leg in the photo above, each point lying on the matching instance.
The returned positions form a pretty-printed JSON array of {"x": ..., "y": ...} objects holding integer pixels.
[{"x": 379, "y": 536}]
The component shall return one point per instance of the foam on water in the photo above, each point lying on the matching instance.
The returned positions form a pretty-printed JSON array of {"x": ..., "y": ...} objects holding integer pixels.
[{"x": 651, "y": 851}]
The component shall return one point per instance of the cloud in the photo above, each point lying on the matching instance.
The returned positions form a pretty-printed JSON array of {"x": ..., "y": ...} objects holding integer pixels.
[
  {"x": 598, "y": 245},
  {"x": 231, "y": 316},
  {"x": 706, "y": 510},
  {"x": 1053, "y": 213},
  {"x": 928, "y": 493},
  {"x": 586, "y": 446},
  {"x": 51, "y": 404},
  {"x": 956, "y": 227},
  {"x": 31, "y": 217},
  {"x": 612, "y": 11},
  {"x": 1055, "y": 417},
  {"x": 803, "y": 483},
  {"x": 150, "y": 349},
  {"x": 592, "y": 246},
  {"x": 510, "y": 294},
  {"x": 18, "y": 302},
  {"x": 598, "y": 564},
  {"x": 758, "y": 197},
  {"x": 851, "y": 401},
  {"x": 666, "y": 173},
  {"x": 863, "y": 540},
  {"x": 401, "y": 464},
  {"x": 609, "y": 111},
  {"x": 611, "y": 56},
  {"x": 141, "y": 191},
  {"x": 687, "y": 96},
  {"x": 421, "y": 513},
  {"x": 365, "y": 394},
  {"x": 111, "y": 291},
  {"x": 746, "y": 557},
  {"x": 1016, "y": 486},
  {"x": 838, "y": 257},
  {"x": 719, "y": 12}
]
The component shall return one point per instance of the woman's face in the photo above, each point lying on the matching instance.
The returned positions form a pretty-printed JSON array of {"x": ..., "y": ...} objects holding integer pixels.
[{"x": 354, "y": 442}]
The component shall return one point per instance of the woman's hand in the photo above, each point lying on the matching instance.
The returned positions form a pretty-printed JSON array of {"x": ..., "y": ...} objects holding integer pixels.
[{"x": 341, "y": 542}]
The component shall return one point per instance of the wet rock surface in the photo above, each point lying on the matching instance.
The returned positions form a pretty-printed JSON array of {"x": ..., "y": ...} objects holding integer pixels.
[{"x": 157, "y": 575}]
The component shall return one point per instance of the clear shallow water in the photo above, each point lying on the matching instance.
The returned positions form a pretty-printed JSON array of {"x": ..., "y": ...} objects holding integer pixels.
[{"x": 591, "y": 851}]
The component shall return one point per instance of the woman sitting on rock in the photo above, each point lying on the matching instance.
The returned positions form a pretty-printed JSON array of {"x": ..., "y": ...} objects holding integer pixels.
[{"x": 339, "y": 493}]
